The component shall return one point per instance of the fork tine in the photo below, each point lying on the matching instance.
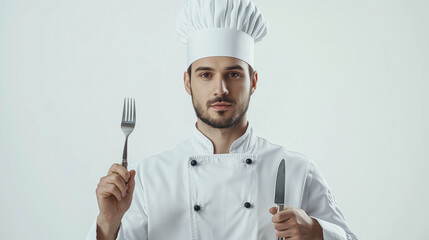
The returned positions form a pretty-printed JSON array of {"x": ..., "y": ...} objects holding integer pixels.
[
  {"x": 134, "y": 112},
  {"x": 123, "y": 112},
  {"x": 128, "y": 109}
]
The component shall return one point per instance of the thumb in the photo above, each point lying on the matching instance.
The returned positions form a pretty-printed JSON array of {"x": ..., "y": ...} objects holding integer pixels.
[
  {"x": 273, "y": 210},
  {"x": 131, "y": 181}
]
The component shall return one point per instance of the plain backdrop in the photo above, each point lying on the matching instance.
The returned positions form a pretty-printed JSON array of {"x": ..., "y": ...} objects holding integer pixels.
[{"x": 343, "y": 82}]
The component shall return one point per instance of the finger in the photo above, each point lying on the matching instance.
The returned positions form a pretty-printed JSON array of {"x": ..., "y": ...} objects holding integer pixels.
[
  {"x": 286, "y": 234},
  {"x": 121, "y": 170},
  {"x": 283, "y": 215},
  {"x": 107, "y": 189},
  {"x": 118, "y": 181},
  {"x": 132, "y": 182},
  {"x": 281, "y": 226},
  {"x": 273, "y": 210}
]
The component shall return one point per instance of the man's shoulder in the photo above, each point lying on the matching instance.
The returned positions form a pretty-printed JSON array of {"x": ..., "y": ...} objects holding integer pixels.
[
  {"x": 169, "y": 154},
  {"x": 289, "y": 155}
]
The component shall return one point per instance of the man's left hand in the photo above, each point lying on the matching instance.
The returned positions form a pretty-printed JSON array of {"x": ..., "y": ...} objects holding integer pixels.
[{"x": 294, "y": 223}]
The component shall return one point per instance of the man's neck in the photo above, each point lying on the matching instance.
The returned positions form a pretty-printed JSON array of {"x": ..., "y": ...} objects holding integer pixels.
[{"x": 222, "y": 138}]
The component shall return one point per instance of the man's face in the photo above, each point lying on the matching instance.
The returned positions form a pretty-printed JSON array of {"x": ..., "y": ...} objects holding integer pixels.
[{"x": 220, "y": 88}]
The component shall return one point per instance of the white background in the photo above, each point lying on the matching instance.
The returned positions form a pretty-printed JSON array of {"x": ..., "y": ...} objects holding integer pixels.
[{"x": 343, "y": 82}]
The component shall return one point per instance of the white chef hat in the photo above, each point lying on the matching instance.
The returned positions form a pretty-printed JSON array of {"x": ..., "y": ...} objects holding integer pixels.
[{"x": 220, "y": 28}]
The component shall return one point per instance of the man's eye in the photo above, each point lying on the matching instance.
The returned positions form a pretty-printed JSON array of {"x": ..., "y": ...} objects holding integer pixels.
[
  {"x": 234, "y": 75},
  {"x": 205, "y": 75}
]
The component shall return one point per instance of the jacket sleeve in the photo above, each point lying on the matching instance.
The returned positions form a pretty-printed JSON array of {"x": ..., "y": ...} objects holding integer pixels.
[
  {"x": 321, "y": 206},
  {"x": 135, "y": 221}
]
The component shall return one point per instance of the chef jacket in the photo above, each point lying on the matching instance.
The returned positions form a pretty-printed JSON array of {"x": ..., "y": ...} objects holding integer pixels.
[{"x": 187, "y": 192}]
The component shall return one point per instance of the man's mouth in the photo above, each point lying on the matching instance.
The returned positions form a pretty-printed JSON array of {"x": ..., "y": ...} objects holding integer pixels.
[{"x": 221, "y": 105}]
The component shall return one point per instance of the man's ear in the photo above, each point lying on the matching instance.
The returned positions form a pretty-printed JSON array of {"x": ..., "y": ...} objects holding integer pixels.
[
  {"x": 254, "y": 81},
  {"x": 187, "y": 82}
]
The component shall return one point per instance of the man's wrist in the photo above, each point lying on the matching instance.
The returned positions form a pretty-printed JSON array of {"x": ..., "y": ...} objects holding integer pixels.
[
  {"x": 317, "y": 230},
  {"x": 107, "y": 229}
]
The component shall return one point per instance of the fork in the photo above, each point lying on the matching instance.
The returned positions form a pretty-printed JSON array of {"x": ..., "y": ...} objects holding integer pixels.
[{"x": 127, "y": 125}]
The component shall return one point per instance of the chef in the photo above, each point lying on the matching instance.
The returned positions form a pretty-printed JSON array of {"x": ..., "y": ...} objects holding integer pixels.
[{"x": 219, "y": 183}]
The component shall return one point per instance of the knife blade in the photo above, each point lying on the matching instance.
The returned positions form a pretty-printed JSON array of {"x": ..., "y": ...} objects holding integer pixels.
[{"x": 279, "y": 197}]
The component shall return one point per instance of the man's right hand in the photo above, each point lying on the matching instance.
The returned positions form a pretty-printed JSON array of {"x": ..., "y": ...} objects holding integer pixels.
[{"x": 114, "y": 195}]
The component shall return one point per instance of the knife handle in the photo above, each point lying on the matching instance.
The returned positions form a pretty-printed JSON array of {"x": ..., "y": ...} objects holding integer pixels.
[{"x": 280, "y": 208}]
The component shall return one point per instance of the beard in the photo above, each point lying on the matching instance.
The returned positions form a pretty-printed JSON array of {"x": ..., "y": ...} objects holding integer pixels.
[{"x": 222, "y": 122}]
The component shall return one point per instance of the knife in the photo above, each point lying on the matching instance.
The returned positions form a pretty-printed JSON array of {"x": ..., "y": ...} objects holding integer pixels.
[{"x": 279, "y": 197}]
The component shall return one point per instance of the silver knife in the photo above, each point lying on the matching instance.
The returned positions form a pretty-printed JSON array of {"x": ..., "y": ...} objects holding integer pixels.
[{"x": 279, "y": 197}]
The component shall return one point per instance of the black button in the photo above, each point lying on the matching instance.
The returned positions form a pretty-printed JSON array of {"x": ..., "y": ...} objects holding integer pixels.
[
  {"x": 247, "y": 205},
  {"x": 197, "y": 208},
  {"x": 249, "y": 161},
  {"x": 193, "y": 162}
]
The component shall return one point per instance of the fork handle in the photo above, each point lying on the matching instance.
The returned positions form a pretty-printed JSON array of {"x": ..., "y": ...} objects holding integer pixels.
[{"x": 124, "y": 156}]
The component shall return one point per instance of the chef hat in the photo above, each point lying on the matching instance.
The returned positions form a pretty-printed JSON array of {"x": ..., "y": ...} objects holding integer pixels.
[{"x": 220, "y": 28}]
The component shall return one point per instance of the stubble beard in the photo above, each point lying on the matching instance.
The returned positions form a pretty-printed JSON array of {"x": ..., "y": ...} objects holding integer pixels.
[{"x": 220, "y": 123}]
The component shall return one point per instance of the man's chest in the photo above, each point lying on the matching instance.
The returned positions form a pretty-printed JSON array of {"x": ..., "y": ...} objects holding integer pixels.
[{"x": 214, "y": 196}]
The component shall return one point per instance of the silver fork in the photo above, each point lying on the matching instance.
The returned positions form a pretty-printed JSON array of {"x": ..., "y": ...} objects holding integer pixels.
[{"x": 127, "y": 125}]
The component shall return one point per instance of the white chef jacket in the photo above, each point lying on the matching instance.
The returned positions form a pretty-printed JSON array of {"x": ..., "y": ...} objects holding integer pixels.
[{"x": 187, "y": 192}]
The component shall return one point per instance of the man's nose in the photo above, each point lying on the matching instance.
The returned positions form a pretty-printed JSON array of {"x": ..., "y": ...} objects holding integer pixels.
[{"x": 220, "y": 87}]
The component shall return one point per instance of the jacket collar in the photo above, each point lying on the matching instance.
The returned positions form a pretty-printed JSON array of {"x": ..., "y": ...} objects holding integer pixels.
[{"x": 242, "y": 145}]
